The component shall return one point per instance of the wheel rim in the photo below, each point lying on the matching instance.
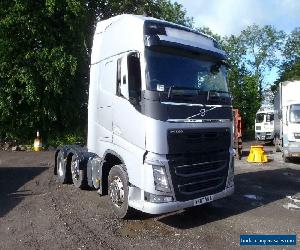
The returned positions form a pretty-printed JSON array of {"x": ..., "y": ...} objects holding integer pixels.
[
  {"x": 117, "y": 191},
  {"x": 60, "y": 168},
  {"x": 75, "y": 169}
]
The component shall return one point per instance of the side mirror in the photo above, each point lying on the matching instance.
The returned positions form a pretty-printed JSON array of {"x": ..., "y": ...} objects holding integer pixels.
[{"x": 124, "y": 78}]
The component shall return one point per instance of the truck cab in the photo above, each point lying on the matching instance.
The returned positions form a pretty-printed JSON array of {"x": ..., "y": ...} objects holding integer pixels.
[
  {"x": 159, "y": 117},
  {"x": 287, "y": 119},
  {"x": 264, "y": 125}
]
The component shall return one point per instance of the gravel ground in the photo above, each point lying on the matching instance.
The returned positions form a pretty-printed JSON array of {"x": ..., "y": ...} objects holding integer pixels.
[{"x": 36, "y": 212}]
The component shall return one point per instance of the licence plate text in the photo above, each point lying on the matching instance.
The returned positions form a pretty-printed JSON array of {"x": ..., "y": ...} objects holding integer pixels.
[{"x": 203, "y": 200}]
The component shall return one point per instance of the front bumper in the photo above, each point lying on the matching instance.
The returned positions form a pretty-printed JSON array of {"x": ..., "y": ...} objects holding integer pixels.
[
  {"x": 161, "y": 208},
  {"x": 264, "y": 136},
  {"x": 293, "y": 149}
]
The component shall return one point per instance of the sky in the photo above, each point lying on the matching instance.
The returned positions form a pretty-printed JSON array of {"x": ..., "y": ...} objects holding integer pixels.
[{"x": 226, "y": 17}]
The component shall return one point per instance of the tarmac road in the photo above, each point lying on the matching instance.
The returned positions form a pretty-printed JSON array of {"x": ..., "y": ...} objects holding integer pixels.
[{"x": 36, "y": 212}]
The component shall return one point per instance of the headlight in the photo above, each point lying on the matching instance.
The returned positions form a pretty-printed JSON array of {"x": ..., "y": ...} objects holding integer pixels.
[{"x": 160, "y": 179}]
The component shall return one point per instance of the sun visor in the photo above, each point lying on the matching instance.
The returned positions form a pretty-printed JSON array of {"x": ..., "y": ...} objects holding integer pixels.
[{"x": 183, "y": 39}]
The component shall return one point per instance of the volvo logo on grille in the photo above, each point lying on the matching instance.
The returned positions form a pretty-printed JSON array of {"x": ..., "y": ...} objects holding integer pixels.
[
  {"x": 176, "y": 131},
  {"x": 202, "y": 112}
]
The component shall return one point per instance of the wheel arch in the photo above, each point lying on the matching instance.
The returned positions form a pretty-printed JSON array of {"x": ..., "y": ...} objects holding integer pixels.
[{"x": 111, "y": 158}]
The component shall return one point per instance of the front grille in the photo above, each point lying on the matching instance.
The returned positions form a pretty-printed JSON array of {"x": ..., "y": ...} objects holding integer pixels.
[
  {"x": 201, "y": 169},
  {"x": 201, "y": 186},
  {"x": 258, "y": 127},
  {"x": 297, "y": 135}
]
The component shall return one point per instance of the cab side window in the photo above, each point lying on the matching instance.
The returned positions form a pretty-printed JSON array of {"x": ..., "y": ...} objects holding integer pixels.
[
  {"x": 134, "y": 76},
  {"x": 128, "y": 78}
]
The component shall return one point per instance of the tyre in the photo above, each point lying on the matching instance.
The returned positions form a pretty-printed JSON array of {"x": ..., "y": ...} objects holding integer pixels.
[
  {"x": 285, "y": 158},
  {"x": 240, "y": 153},
  {"x": 277, "y": 147},
  {"x": 118, "y": 192},
  {"x": 78, "y": 175},
  {"x": 61, "y": 168}
]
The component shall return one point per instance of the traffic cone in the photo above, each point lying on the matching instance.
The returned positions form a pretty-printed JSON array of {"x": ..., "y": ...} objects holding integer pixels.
[{"x": 37, "y": 145}]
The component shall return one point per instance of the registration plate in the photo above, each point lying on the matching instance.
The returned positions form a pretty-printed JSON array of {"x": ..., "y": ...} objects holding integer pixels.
[{"x": 203, "y": 200}]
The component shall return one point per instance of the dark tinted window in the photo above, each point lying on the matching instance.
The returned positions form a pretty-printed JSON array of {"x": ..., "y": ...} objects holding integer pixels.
[
  {"x": 165, "y": 70},
  {"x": 295, "y": 113},
  {"x": 259, "y": 118},
  {"x": 269, "y": 117}
]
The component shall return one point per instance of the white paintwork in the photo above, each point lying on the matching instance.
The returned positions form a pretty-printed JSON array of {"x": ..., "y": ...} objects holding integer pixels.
[
  {"x": 113, "y": 122},
  {"x": 288, "y": 94},
  {"x": 265, "y": 126}
]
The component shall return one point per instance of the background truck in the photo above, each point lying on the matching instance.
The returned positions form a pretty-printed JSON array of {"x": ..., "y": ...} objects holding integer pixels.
[
  {"x": 159, "y": 119},
  {"x": 264, "y": 125},
  {"x": 287, "y": 119}
]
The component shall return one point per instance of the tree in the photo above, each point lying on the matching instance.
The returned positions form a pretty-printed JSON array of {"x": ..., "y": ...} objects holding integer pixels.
[
  {"x": 242, "y": 84},
  {"x": 290, "y": 68},
  {"x": 44, "y": 59},
  {"x": 262, "y": 45},
  {"x": 41, "y": 66}
]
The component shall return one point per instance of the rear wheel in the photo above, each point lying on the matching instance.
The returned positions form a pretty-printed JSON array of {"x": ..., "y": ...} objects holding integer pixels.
[
  {"x": 118, "y": 192},
  {"x": 78, "y": 175},
  {"x": 61, "y": 168}
]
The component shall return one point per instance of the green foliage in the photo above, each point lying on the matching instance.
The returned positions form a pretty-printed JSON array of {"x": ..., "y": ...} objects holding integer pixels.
[
  {"x": 42, "y": 70},
  {"x": 66, "y": 138},
  {"x": 262, "y": 44},
  {"x": 290, "y": 72},
  {"x": 243, "y": 85},
  {"x": 290, "y": 68},
  {"x": 44, "y": 60},
  {"x": 162, "y": 9},
  {"x": 251, "y": 55},
  {"x": 45, "y": 51}
]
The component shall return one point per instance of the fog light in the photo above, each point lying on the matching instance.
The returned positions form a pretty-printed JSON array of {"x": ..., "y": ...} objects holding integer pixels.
[{"x": 157, "y": 198}]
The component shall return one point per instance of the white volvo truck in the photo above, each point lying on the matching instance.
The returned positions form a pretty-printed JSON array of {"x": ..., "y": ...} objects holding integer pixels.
[
  {"x": 287, "y": 119},
  {"x": 159, "y": 119}
]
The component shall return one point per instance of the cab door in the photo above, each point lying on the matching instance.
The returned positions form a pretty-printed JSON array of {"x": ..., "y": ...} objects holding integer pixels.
[
  {"x": 128, "y": 122},
  {"x": 105, "y": 100}
]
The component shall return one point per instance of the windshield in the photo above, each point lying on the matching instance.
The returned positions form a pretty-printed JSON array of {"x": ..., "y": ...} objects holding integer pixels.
[
  {"x": 260, "y": 117},
  {"x": 295, "y": 113},
  {"x": 165, "y": 70}
]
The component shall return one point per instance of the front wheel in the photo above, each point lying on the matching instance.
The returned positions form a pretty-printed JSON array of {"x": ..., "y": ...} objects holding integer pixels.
[
  {"x": 118, "y": 192},
  {"x": 285, "y": 158},
  {"x": 276, "y": 143}
]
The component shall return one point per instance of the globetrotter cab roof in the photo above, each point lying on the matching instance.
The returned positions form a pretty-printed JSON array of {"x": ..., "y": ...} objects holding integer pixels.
[{"x": 123, "y": 33}]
